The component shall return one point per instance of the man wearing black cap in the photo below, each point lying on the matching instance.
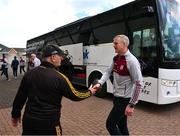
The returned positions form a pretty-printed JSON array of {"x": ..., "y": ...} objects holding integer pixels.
[{"x": 43, "y": 87}]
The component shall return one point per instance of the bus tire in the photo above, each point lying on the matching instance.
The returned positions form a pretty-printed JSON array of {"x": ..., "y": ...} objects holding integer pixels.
[{"x": 101, "y": 92}]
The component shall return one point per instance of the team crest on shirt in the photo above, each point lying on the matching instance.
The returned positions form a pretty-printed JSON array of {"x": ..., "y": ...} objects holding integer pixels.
[{"x": 121, "y": 67}]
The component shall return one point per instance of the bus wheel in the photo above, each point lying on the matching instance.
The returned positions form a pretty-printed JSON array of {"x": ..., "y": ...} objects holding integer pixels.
[{"x": 103, "y": 91}]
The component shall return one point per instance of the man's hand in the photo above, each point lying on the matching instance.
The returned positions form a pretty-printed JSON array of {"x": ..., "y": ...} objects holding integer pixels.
[
  {"x": 94, "y": 88},
  {"x": 129, "y": 110},
  {"x": 15, "y": 121}
]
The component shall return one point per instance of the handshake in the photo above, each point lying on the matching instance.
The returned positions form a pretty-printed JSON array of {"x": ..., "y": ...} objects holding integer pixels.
[{"x": 95, "y": 86}]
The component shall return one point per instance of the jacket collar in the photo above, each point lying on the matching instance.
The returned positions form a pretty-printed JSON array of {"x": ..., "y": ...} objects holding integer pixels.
[{"x": 48, "y": 65}]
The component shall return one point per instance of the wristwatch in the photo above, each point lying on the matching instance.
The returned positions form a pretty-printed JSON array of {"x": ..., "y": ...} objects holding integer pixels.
[
  {"x": 95, "y": 82},
  {"x": 131, "y": 105}
]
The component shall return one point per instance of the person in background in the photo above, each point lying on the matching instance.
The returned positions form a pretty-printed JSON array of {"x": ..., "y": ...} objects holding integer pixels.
[
  {"x": 30, "y": 64},
  {"x": 4, "y": 67},
  {"x": 22, "y": 65},
  {"x": 42, "y": 89},
  {"x": 35, "y": 60},
  {"x": 128, "y": 83},
  {"x": 14, "y": 66}
]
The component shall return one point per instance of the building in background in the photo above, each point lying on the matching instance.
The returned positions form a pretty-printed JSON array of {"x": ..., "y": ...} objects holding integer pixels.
[{"x": 11, "y": 52}]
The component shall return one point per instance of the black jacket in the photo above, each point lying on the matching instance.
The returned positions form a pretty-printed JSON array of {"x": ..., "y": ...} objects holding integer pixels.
[
  {"x": 15, "y": 63},
  {"x": 43, "y": 88}
]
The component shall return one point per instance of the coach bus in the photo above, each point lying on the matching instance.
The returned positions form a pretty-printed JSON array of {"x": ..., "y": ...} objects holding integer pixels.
[{"x": 153, "y": 27}]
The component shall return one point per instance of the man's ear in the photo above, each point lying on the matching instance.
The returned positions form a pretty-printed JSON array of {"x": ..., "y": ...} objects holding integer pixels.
[{"x": 52, "y": 58}]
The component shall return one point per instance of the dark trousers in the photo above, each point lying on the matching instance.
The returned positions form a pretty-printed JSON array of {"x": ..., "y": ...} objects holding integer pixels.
[
  {"x": 2, "y": 72},
  {"x": 33, "y": 126},
  {"x": 5, "y": 72},
  {"x": 15, "y": 72},
  {"x": 116, "y": 122},
  {"x": 22, "y": 69}
]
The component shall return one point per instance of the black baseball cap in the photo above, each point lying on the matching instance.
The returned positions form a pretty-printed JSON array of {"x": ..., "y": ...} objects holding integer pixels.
[{"x": 50, "y": 50}]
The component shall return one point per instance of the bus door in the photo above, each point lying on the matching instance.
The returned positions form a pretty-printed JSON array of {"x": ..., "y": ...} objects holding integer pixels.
[{"x": 144, "y": 48}]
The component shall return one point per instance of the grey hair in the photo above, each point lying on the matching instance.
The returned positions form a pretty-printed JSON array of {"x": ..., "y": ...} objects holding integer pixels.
[
  {"x": 33, "y": 55},
  {"x": 123, "y": 39}
]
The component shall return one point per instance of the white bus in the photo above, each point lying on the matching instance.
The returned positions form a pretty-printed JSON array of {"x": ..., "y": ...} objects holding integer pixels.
[{"x": 153, "y": 27}]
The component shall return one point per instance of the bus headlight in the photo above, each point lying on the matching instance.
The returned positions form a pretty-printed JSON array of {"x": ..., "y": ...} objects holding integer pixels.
[{"x": 170, "y": 83}]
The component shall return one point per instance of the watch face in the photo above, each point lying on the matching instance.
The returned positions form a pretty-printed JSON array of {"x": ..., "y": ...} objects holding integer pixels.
[{"x": 95, "y": 82}]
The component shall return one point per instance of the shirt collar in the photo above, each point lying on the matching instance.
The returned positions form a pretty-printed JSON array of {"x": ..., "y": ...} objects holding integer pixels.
[{"x": 125, "y": 54}]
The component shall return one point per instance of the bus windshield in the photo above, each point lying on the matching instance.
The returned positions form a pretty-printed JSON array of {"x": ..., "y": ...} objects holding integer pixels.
[{"x": 170, "y": 10}]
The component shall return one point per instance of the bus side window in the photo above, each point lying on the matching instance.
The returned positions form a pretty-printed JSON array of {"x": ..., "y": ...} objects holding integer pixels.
[
  {"x": 149, "y": 43},
  {"x": 149, "y": 52},
  {"x": 144, "y": 48},
  {"x": 136, "y": 47}
]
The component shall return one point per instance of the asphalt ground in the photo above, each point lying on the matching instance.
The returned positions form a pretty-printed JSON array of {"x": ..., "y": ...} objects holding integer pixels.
[{"x": 88, "y": 117}]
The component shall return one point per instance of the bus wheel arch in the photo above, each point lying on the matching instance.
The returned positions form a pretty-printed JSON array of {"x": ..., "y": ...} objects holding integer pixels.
[{"x": 95, "y": 76}]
